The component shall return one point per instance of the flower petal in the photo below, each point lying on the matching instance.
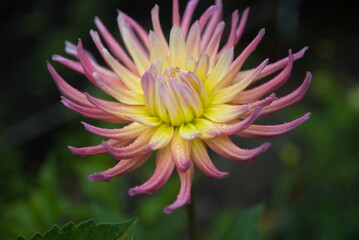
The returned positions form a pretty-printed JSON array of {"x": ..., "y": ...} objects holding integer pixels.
[
  {"x": 289, "y": 99},
  {"x": 228, "y": 94},
  {"x": 219, "y": 71},
  {"x": 223, "y": 113},
  {"x": 184, "y": 195},
  {"x": 128, "y": 132},
  {"x": 257, "y": 92},
  {"x": 164, "y": 169},
  {"x": 160, "y": 138},
  {"x": 181, "y": 152},
  {"x": 266, "y": 131},
  {"x": 115, "y": 46},
  {"x": 140, "y": 59},
  {"x": 123, "y": 167},
  {"x": 188, "y": 132},
  {"x": 157, "y": 50},
  {"x": 133, "y": 150},
  {"x": 193, "y": 41},
  {"x": 206, "y": 127},
  {"x": 230, "y": 129},
  {"x": 271, "y": 68},
  {"x": 203, "y": 162},
  {"x": 96, "y": 150},
  {"x": 226, "y": 148},
  {"x": 187, "y": 16},
  {"x": 177, "y": 49},
  {"x": 93, "y": 113}
]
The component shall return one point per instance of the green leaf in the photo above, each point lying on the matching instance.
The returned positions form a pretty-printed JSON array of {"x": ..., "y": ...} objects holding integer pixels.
[
  {"x": 90, "y": 230},
  {"x": 246, "y": 225}
]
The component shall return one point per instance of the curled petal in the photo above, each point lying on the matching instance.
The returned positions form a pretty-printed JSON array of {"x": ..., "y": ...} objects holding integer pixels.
[
  {"x": 289, "y": 99},
  {"x": 128, "y": 132},
  {"x": 226, "y": 148},
  {"x": 123, "y": 167},
  {"x": 93, "y": 113},
  {"x": 203, "y": 162},
  {"x": 181, "y": 152},
  {"x": 230, "y": 93},
  {"x": 223, "y": 113},
  {"x": 133, "y": 150},
  {"x": 266, "y": 131},
  {"x": 230, "y": 129},
  {"x": 164, "y": 169},
  {"x": 74, "y": 65},
  {"x": 184, "y": 195},
  {"x": 257, "y": 92},
  {"x": 242, "y": 25},
  {"x": 273, "y": 67},
  {"x": 238, "y": 62},
  {"x": 96, "y": 150}
]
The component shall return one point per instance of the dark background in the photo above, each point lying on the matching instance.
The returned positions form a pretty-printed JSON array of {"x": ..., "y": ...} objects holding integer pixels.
[{"x": 308, "y": 180}]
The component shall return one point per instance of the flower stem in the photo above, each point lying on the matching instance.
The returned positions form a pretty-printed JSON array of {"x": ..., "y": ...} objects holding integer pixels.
[{"x": 192, "y": 228}]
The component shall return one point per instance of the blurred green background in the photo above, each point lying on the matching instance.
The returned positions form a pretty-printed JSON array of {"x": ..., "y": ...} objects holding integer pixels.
[{"x": 308, "y": 181}]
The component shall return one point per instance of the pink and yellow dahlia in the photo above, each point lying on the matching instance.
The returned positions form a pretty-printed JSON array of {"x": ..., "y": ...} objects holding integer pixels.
[{"x": 177, "y": 97}]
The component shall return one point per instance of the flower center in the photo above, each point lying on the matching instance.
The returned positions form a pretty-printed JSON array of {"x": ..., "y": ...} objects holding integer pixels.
[{"x": 175, "y": 96}]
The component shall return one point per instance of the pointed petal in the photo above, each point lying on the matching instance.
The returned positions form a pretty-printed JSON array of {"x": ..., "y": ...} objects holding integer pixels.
[
  {"x": 203, "y": 162},
  {"x": 133, "y": 150},
  {"x": 232, "y": 34},
  {"x": 202, "y": 67},
  {"x": 181, "y": 151},
  {"x": 177, "y": 48},
  {"x": 67, "y": 90},
  {"x": 230, "y": 129},
  {"x": 213, "y": 44},
  {"x": 219, "y": 71},
  {"x": 223, "y": 113},
  {"x": 114, "y": 46},
  {"x": 175, "y": 13},
  {"x": 120, "y": 94},
  {"x": 242, "y": 25},
  {"x": 74, "y": 65},
  {"x": 164, "y": 169},
  {"x": 238, "y": 62},
  {"x": 123, "y": 167},
  {"x": 193, "y": 41},
  {"x": 226, "y": 148},
  {"x": 230, "y": 93},
  {"x": 157, "y": 50},
  {"x": 184, "y": 196},
  {"x": 93, "y": 113},
  {"x": 187, "y": 16},
  {"x": 130, "y": 131},
  {"x": 211, "y": 26},
  {"x": 289, "y": 99},
  {"x": 140, "y": 59},
  {"x": 96, "y": 150},
  {"x": 160, "y": 138},
  {"x": 266, "y": 131},
  {"x": 137, "y": 27},
  {"x": 257, "y": 92},
  {"x": 157, "y": 26},
  {"x": 273, "y": 67}
]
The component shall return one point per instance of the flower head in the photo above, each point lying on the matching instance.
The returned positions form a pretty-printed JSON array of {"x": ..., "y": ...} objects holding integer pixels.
[{"x": 177, "y": 97}]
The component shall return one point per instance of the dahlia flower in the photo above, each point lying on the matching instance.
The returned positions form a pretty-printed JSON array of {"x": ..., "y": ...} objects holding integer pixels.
[{"x": 177, "y": 97}]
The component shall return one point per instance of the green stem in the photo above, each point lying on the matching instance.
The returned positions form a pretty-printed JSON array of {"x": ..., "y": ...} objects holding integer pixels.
[{"x": 192, "y": 228}]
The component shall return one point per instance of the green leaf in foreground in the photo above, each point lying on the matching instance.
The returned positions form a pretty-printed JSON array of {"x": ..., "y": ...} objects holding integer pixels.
[{"x": 90, "y": 230}]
